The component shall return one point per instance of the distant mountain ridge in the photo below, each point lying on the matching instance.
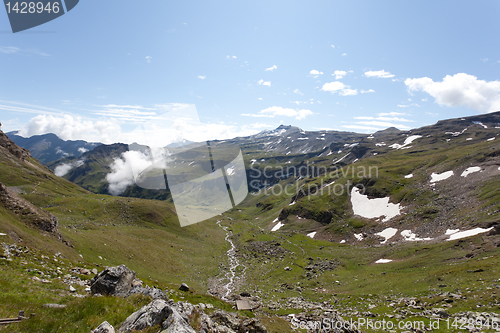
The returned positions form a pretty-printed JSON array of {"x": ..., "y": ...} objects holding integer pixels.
[{"x": 49, "y": 147}]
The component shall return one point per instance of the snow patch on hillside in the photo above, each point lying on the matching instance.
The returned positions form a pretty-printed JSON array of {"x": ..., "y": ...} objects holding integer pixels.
[
  {"x": 470, "y": 170},
  {"x": 312, "y": 234},
  {"x": 466, "y": 233},
  {"x": 409, "y": 176},
  {"x": 383, "y": 261},
  {"x": 456, "y": 133},
  {"x": 359, "y": 236},
  {"x": 387, "y": 234},
  {"x": 277, "y": 226},
  {"x": 409, "y": 236},
  {"x": 340, "y": 159},
  {"x": 437, "y": 177},
  {"x": 407, "y": 142},
  {"x": 372, "y": 208},
  {"x": 480, "y": 123}
]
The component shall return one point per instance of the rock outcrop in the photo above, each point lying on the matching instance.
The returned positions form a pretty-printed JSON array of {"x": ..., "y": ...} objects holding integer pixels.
[
  {"x": 14, "y": 149},
  {"x": 113, "y": 281},
  {"x": 28, "y": 212},
  {"x": 150, "y": 315},
  {"x": 173, "y": 317},
  {"x": 176, "y": 323}
]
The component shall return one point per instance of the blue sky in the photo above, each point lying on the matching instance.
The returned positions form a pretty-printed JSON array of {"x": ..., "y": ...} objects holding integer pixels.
[{"x": 108, "y": 66}]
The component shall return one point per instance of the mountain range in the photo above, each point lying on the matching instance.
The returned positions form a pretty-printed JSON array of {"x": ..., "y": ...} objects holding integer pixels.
[{"x": 394, "y": 225}]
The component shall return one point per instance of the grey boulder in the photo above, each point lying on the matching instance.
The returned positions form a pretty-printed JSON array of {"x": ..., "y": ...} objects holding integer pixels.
[
  {"x": 176, "y": 323},
  {"x": 114, "y": 281},
  {"x": 149, "y": 315}
]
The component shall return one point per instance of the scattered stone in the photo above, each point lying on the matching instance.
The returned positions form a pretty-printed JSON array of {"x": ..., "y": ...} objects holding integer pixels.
[
  {"x": 54, "y": 306},
  {"x": 105, "y": 327},
  {"x": 243, "y": 305},
  {"x": 72, "y": 289},
  {"x": 440, "y": 312},
  {"x": 184, "y": 287}
]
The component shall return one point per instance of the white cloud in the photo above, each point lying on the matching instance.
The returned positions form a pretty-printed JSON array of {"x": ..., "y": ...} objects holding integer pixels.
[
  {"x": 9, "y": 49},
  {"x": 367, "y": 91},
  {"x": 27, "y": 108},
  {"x": 260, "y": 125},
  {"x": 276, "y": 111},
  {"x": 344, "y": 54},
  {"x": 460, "y": 90},
  {"x": 333, "y": 86},
  {"x": 162, "y": 129},
  {"x": 298, "y": 92},
  {"x": 148, "y": 59},
  {"x": 407, "y": 105},
  {"x": 342, "y": 89},
  {"x": 63, "y": 169},
  {"x": 332, "y": 46},
  {"x": 381, "y": 74},
  {"x": 385, "y": 114},
  {"x": 139, "y": 107},
  {"x": 202, "y": 77},
  {"x": 381, "y": 121},
  {"x": 73, "y": 128},
  {"x": 361, "y": 127},
  {"x": 348, "y": 92},
  {"x": 264, "y": 83},
  {"x": 123, "y": 170},
  {"x": 13, "y": 50},
  {"x": 315, "y": 73},
  {"x": 231, "y": 57},
  {"x": 339, "y": 74},
  {"x": 270, "y": 69},
  {"x": 382, "y": 124},
  {"x": 260, "y": 98},
  {"x": 384, "y": 119}
]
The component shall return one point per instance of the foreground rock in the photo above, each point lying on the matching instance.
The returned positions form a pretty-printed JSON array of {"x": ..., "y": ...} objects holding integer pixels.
[
  {"x": 225, "y": 322},
  {"x": 173, "y": 317},
  {"x": 152, "y": 314},
  {"x": 156, "y": 313},
  {"x": 113, "y": 281},
  {"x": 176, "y": 323}
]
